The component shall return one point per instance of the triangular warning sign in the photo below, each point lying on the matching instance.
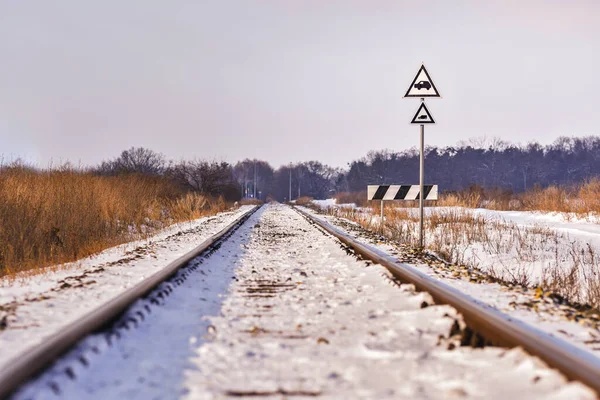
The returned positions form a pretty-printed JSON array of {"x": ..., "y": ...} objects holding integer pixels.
[
  {"x": 422, "y": 85},
  {"x": 423, "y": 116}
]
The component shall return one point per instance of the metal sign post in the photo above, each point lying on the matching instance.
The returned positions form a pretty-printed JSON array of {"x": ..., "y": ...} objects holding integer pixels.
[
  {"x": 403, "y": 192},
  {"x": 422, "y": 86},
  {"x": 381, "y": 223},
  {"x": 421, "y": 186}
]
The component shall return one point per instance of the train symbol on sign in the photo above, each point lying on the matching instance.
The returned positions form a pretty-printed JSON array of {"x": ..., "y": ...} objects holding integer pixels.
[
  {"x": 423, "y": 116},
  {"x": 423, "y": 84}
]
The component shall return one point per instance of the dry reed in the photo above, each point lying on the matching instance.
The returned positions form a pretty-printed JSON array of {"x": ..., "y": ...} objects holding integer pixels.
[{"x": 52, "y": 217}]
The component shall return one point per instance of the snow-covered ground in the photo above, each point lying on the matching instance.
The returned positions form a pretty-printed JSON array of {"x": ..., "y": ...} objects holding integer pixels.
[
  {"x": 582, "y": 229},
  {"x": 327, "y": 203},
  {"x": 34, "y": 308},
  {"x": 302, "y": 318},
  {"x": 531, "y": 306},
  {"x": 558, "y": 251}
]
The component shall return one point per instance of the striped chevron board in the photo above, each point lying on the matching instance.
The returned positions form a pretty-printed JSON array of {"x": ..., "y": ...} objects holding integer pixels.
[{"x": 400, "y": 192}]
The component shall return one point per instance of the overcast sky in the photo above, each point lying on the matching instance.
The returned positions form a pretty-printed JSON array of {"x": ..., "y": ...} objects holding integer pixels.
[{"x": 287, "y": 80}]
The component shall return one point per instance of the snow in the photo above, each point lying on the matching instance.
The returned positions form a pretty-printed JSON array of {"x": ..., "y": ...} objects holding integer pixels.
[
  {"x": 530, "y": 247},
  {"x": 525, "y": 305},
  {"x": 582, "y": 229},
  {"x": 39, "y": 306},
  {"x": 329, "y": 203},
  {"x": 282, "y": 310},
  {"x": 324, "y": 203}
]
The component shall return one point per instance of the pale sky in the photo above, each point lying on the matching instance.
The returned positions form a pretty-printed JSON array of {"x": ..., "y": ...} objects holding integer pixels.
[{"x": 285, "y": 80}]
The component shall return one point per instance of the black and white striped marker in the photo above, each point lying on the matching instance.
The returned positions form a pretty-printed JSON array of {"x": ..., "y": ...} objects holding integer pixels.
[{"x": 401, "y": 192}]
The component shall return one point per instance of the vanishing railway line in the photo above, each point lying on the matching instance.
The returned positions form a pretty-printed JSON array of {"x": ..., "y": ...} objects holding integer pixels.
[{"x": 282, "y": 263}]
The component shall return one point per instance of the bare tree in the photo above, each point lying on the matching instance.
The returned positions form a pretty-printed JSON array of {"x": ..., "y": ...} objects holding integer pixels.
[
  {"x": 135, "y": 160},
  {"x": 202, "y": 176}
]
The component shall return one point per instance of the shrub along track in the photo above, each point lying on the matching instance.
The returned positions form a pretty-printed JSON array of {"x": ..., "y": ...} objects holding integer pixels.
[
  {"x": 271, "y": 294},
  {"x": 486, "y": 325}
]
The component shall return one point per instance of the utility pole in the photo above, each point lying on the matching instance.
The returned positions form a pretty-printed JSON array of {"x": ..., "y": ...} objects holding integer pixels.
[
  {"x": 254, "y": 195},
  {"x": 290, "y": 198}
]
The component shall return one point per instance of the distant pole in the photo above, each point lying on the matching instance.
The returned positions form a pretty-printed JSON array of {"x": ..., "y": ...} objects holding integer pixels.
[
  {"x": 421, "y": 186},
  {"x": 254, "y": 191},
  {"x": 290, "y": 198},
  {"x": 381, "y": 225}
]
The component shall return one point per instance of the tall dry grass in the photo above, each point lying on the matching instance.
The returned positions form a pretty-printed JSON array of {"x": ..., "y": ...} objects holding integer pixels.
[
  {"x": 303, "y": 201},
  {"x": 57, "y": 216},
  {"x": 358, "y": 198},
  {"x": 516, "y": 255},
  {"x": 581, "y": 199}
]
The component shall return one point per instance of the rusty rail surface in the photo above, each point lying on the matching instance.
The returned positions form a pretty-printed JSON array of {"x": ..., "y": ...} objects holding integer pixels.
[
  {"x": 33, "y": 361},
  {"x": 494, "y": 326}
]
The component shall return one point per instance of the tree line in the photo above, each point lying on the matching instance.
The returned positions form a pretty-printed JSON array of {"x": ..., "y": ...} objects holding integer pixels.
[
  {"x": 245, "y": 179},
  {"x": 486, "y": 163}
]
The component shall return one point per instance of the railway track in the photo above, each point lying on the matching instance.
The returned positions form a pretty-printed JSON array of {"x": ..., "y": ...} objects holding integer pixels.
[
  {"x": 260, "y": 291},
  {"x": 487, "y": 326},
  {"x": 107, "y": 317}
]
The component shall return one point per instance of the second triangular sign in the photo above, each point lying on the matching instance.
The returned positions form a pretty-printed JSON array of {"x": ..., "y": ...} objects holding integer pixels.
[{"x": 423, "y": 116}]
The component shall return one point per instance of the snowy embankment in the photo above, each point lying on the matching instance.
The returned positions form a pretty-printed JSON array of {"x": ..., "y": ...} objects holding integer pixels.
[
  {"x": 530, "y": 248},
  {"x": 497, "y": 250},
  {"x": 303, "y": 318},
  {"x": 330, "y": 203},
  {"x": 35, "y": 307}
]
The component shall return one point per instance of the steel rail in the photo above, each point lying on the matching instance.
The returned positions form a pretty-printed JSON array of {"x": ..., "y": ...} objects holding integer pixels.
[
  {"x": 496, "y": 327},
  {"x": 31, "y": 362}
]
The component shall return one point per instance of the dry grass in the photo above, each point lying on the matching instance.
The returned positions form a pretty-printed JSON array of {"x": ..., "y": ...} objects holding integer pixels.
[
  {"x": 516, "y": 255},
  {"x": 53, "y": 217},
  {"x": 303, "y": 201},
  {"x": 358, "y": 198},
  {"x": 253, "y": 202},
  {"x": 582, "y": 199}
]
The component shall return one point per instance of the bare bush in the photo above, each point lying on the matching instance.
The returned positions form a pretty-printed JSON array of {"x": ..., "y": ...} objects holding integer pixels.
[
  {"x": 135, "y": 160},
  {"x": 202, "y": 176}
]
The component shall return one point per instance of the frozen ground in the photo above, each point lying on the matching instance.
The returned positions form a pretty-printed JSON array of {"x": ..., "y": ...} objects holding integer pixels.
[
  {"x": 327, "y": 203},
  {"x": 528, "y": 305},
  {"x": 558, "y": 251},
  {"x": 582, "y": 229},
  {"x": 34, "y": 308},
  {"x": 585, "y": 230},
  {"x": 301, "y": 318}
]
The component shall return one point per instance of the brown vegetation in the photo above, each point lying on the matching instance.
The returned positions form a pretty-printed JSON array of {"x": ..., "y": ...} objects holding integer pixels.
[
  {"x": 358, "y": 198},
  {"x": 579, "y": 199},
  {"x": 303, "y": 201},
  {"x": 564, "y": 267},
  {"x": 51, "y": 217}
]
